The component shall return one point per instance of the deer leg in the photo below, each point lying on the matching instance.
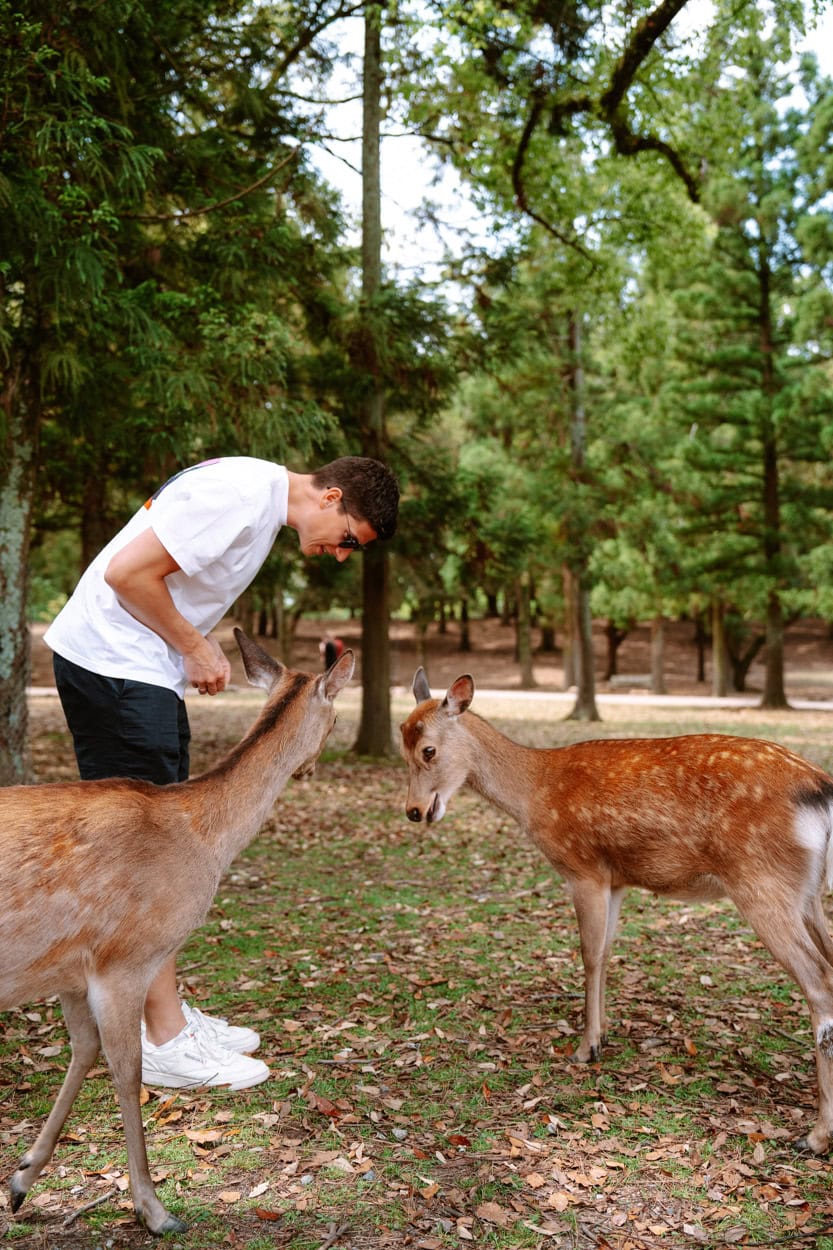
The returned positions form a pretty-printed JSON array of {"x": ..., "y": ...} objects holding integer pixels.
[
  {"x": 118, "y": 1012},
  {"x": 592, "y": 902},
  {"x": 817, "y": 926},
  {"x": 797, "y": 944},
  {"x": 83, "y": 1036},
  {"x": 614, "y": 906}
]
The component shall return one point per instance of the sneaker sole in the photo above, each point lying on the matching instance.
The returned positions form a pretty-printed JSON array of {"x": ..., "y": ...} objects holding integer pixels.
[{"x": 160, "y": 1080}]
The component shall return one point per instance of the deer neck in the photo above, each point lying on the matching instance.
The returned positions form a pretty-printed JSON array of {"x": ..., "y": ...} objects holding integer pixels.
[
  {"x": 233, "y": 799},
  {"x": 499, "y": 768}
]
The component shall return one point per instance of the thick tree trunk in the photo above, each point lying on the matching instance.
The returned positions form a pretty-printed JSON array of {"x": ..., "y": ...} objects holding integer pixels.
[
  {"x": 774, "y": 694},
  {"x": 96, "y": 526},
  {"x": 585, "y": 706},
  {"x": 374, "y": 736},
  {"x": 17, "y": 478}
]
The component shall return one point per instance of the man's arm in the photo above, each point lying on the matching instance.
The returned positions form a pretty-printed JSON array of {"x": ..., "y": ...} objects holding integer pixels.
[{"x": 137, "y": 576}]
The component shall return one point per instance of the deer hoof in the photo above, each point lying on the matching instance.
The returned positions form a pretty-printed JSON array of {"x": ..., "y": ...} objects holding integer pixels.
[
  {"x": 167, "y": 1222},
  {"x": 17, "y": 1188},
  {"x": 173, "y": 1224},
  {"x": 594, "y": 1055},
  {"x": 803, "y": 1146}
]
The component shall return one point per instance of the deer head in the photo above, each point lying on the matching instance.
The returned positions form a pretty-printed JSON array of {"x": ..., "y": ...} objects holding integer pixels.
[
  {"x": 435, "y": 748},
  {"x": 265, "y": 671}
]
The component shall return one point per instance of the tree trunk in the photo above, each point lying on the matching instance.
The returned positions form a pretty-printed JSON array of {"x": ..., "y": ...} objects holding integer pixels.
[
  {"x": 96, "y": 525},
  {"x": 774, "y": 694},
  {"x": 421, "y": 639},
  {"x": 465, "y": 631},
  {"x": 615, "y": 637},
  {"x": 658, "y": 655},
  {"x": 700, "y": 638},
  {"x": 17, "y": 483},
  {"x": 284, "y": 635},
  {"x": 374, "y": 736},
  {"x": 585, "y": 706},
  {"x": 524, "y": 629},
  {"x": 720, "y": 655},
  {"x": 570, "y": 629},
  {"x": 547, "y": 636}
]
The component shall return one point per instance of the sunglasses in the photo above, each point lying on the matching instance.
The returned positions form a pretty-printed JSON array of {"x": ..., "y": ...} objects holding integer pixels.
[{"x": 351, "y": 542}]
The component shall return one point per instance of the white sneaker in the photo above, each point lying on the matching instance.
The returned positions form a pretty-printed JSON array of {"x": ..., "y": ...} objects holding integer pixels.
[
  {"x": 189, "y": 1059},
  {"x": 219, "y": 1032}
]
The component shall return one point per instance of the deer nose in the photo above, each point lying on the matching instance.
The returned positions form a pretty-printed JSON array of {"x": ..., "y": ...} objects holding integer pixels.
[{"x": 414, "y": 813}]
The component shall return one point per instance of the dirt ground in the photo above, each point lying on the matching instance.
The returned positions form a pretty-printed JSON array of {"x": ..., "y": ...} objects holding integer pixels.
[{"x": 492, "y": 663}]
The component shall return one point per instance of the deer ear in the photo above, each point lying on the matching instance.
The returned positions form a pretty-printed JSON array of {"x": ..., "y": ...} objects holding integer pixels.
[
  {"x": 420, "y": 687},
  {"x": 261, "y": 669},
  {"x": 336, "y": 678},
  {"x": 459, "y": 695}
]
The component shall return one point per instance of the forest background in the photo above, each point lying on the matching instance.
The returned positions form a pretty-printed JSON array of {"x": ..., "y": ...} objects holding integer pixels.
[{"x": 613, "y": 401}]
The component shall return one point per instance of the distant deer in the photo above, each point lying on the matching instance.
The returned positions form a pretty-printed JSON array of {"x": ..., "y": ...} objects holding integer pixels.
[
  {"x": 102, "y": 881},
  {"x": 696, "y": 817}
]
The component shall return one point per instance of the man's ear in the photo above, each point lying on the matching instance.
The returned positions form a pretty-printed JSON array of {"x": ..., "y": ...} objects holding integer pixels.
[{"x": 330, "y": 496}]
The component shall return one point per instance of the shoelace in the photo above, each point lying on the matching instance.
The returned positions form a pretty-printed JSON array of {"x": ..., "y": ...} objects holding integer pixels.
[{"x": 205, "y": 1024}]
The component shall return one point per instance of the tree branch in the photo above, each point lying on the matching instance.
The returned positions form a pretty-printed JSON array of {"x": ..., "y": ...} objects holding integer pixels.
[
  {"x": 611, "y": 106},
  {"x": 644, "y": 37},
  {"x": 518, "y": 186},
  {"x": 212, "y": 208},
  {"x": 628, "y": 142}
]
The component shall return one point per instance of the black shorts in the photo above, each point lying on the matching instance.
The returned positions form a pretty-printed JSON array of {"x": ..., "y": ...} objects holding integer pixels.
[{"x": 123, "y": 728}]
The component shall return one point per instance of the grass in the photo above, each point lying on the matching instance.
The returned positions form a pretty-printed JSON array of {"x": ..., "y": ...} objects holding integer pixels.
[{"x": 418, "y": 991}]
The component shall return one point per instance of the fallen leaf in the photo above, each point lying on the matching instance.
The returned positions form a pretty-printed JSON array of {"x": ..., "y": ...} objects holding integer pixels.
[
  {"x": 492, "y": 1213},
  {"x": 263, "y": 1214},
  {"x": 203, "y": 1136}
]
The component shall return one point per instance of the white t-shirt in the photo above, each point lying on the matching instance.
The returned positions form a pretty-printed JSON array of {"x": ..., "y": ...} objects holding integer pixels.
[{"x": 218, "y": 520}]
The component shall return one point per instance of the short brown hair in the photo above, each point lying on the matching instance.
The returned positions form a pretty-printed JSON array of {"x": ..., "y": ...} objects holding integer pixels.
[{"x": 369, "y": 491}]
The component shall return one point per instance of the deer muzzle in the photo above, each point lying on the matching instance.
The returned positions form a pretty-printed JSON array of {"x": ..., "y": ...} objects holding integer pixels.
[{"x": 435, "y": 810}]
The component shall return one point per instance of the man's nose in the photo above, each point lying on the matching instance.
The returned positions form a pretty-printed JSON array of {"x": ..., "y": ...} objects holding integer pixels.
[{"x": 342, "y": 553}]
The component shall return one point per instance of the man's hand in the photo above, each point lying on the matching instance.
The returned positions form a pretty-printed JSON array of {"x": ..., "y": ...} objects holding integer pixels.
[{"x": 207, "y": 668}]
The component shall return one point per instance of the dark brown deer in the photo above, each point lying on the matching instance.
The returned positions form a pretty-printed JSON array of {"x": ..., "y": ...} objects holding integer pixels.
[
  {"x": 102, "y": 881},
  {"x": 696, "y": 817}
]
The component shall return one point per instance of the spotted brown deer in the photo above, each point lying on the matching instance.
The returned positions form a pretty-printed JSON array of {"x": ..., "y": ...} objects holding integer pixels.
[
  {"x": 102, "y": 881},
  {"x": 697, "y": 817}
]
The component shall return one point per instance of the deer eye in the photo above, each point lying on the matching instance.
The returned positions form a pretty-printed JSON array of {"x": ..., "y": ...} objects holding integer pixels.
[{"x": 428, "y": 753}]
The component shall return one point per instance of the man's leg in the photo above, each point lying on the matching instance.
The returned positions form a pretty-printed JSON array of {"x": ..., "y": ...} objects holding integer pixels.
[{"x": 164, "y": 1017}]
